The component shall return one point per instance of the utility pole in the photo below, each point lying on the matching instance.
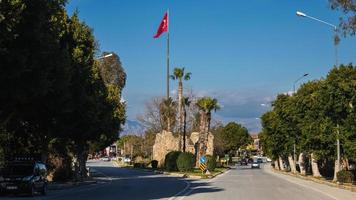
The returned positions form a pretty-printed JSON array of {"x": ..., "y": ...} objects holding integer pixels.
[{"x": 338, "y": 146}]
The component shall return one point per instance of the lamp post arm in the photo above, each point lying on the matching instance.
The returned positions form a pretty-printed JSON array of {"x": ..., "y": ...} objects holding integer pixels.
[
  {"x": 324, "y": 22},
  {"x": 296, "y": 81}
]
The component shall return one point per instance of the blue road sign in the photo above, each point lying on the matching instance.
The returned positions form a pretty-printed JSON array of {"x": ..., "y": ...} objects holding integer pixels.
[{"x": 203, "y": 159}]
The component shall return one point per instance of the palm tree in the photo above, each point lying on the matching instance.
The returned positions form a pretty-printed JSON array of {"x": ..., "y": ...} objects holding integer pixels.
[
  {"x": 205, "y": 105},
  {"x": 180, "y": 75},
  {"x": 167, "y": 110},
  {"x": 186, "y": 103}
]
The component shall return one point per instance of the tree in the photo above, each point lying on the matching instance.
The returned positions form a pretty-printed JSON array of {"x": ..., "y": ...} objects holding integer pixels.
[
  {"x": 110, "y": 70},
  {"x": 53, "y": 98},
  {"x": 347, "y": 22},
  {"x": 94, "y": 114},
  {"x": 180, "y": 75},
  {"x": 205, "y": 105},
  {"x": 167, "y": 112},
  {"x": 185, "y": 103},
  {"x": 132, "y": 145},
  {"x": 148, "y": 142},
  {"x": 233, "y": 136},
  {"x": 272, "y": 139},
  {"x": 336, "y": 95},
  {"x": 32, "y": 85},
  {"x": 151, "y": 118},
  {"x": 319, "y": 113},
  {"x": 284, "y": 106}
]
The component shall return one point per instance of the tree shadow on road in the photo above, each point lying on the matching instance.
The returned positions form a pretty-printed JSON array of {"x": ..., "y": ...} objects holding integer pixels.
[{"x": 134, "y": 184}]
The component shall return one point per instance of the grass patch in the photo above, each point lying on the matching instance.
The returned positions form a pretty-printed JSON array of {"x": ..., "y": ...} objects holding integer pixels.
[{"x": 198, "y": 172}]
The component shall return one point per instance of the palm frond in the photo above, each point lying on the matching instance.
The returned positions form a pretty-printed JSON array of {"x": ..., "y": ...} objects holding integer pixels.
[
  {"x": 187, "y": 76},
  {"x": 172, "y": 77}
]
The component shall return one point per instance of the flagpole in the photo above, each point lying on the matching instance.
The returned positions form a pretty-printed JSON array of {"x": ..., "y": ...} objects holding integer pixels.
[{"x": 168, "y": 23}]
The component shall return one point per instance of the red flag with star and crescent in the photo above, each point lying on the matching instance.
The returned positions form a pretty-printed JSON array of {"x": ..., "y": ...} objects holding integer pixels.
[{"x": 163, "y": 27}]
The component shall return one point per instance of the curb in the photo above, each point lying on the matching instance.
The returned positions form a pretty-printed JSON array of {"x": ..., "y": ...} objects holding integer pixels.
[
  {"x": 181, "y": 175},
  {"x": 194, "y": 176},
  {"x": 336, "y": 185},
  {"x": 61, "y": 186}
]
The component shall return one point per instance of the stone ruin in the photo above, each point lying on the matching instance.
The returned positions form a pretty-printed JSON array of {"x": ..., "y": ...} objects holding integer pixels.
[{"x": 166, "y": 142}]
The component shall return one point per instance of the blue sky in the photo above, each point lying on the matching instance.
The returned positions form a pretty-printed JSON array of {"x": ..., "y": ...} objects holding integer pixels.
[{"x": 242, "y": 52}]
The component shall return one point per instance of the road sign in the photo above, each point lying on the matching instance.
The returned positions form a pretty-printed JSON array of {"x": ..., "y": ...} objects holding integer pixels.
[
  {"x": 203, "y": 159},
  {"x": 202, "y": 167}
]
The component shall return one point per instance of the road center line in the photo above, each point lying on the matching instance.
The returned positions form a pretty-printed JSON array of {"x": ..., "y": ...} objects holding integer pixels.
[
  {"x": 180, "y": 192},
  {"x": 189, "y": 191}
]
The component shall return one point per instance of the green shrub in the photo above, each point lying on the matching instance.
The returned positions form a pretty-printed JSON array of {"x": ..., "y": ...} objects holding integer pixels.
[
  {"x": 185, "y": 162},
  {"x": 344, "y": 176},
  {"x": 154, "y": 164},
  {"x": 211, "y": 162},
  {"x": 139, "y": 165},
  {"x": 170, "y": 161},
  {"x": 62, "y": 174}
]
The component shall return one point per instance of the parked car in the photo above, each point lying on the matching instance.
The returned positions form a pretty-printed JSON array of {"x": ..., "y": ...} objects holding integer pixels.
[
  {"x": 106, "y": 158},
  {"x": 243, "y": 162},
  {"x": 18, "y": 177},
  {"x": 255, "y": 165},
  {"x": 259, "y": 160},
  {"x": 127, "y": 159}
]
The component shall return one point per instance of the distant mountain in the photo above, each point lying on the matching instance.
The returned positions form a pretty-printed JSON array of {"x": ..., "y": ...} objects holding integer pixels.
[{"x": 133, "y": 128}]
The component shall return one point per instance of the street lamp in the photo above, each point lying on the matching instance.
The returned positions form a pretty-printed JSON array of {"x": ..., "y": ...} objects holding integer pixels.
[
  {"x": 296, "y": 81},
  {"x": 301, "y": 14},
  {"x": 105, "y": 56}
]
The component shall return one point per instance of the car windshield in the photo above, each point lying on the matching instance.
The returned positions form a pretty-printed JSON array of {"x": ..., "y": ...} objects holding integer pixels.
[{"x": 17, "y": 170}]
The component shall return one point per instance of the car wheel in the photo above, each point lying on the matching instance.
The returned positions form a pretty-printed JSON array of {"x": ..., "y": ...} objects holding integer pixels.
[
  {"x": 44, "y": 189},
  {"x": 32, "y": 191}
]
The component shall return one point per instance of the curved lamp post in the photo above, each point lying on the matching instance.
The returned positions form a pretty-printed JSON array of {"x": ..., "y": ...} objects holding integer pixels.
[{"x": 301, "y": 14}]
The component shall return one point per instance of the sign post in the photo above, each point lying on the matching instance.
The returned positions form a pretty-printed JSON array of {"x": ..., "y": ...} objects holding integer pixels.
[{"x": 202, "y": 165}]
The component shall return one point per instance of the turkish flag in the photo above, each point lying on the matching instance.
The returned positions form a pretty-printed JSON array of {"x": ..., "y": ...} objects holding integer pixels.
[{"x": 163, "y": 27}]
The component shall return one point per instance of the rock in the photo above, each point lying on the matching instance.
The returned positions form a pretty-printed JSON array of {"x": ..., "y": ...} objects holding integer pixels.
[
  {"x": 166, "y": 142},
  {"x": 194, "y": 137},
  {"x": 210, "y": 145}
]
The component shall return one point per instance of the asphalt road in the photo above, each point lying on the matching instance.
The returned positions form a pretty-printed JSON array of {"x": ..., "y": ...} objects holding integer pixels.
[
  {"x": 250, "y": 184},
  {"x": 238, "y": 183},
  {"x": 118, "y": 183}
]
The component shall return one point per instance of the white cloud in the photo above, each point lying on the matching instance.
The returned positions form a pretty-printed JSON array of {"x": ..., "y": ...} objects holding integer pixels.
[{"x": 244, "y": 107}]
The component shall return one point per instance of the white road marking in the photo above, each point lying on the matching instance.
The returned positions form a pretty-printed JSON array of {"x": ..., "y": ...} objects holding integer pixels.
[
  {"x": 319, "y": 191},
  {"x": 180, "y": 192},
  {"x": 191, "y": 190}
]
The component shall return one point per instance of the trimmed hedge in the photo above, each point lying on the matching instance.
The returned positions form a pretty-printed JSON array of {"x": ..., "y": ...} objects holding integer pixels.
[
  {"x": 62, "y": 174},
  {"x": 139, "y": 165},
  {"x": 185, "y": 162},
  {"x": 344, "y": 176},
  {"x": 170, "y": 161},
  {"x": 154, "y": 164},
  {"x": 211, "y": 162}
]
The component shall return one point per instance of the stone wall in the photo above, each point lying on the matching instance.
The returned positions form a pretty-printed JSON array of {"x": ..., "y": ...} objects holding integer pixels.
[{"x": 166, "y": 142}]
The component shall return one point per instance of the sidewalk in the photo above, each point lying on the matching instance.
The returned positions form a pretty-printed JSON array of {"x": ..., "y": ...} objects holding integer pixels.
[{"x": 333, "y": 192}]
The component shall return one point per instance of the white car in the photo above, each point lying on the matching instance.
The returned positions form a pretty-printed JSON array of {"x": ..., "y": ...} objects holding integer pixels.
[
  {"x": 106, "y": 158},
  {"x": 255, "y": 165},
  {"x": 127, "y": 159}
]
